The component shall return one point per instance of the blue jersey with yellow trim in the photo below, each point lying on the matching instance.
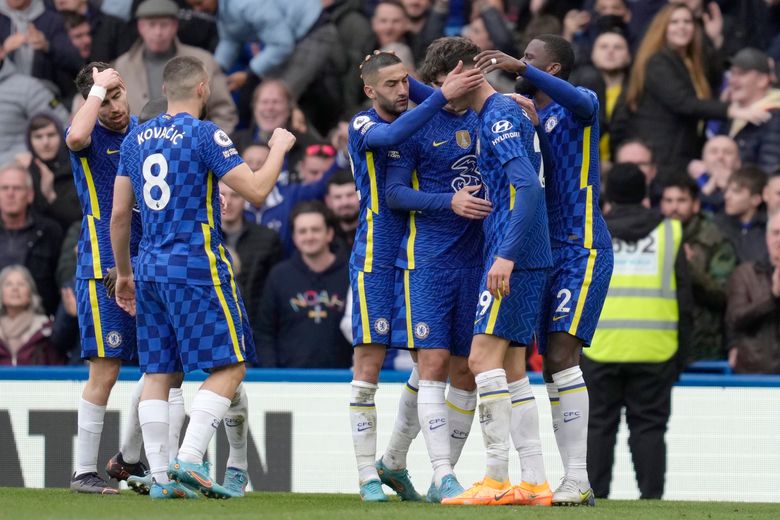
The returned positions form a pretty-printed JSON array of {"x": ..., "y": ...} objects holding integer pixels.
[
  {"x": 379, "y": 228},
  {"x": 442, "y": 158},
  {"x": 174, "y": 164},
  {"x": 505, "y": 133},
  {"x": 94, "y": 170},
  {"x": 574, "y": 183}
]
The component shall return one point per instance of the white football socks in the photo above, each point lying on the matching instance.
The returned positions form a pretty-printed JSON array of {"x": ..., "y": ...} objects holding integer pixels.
[
  {"x": 362, "y": 416},
  {"x": 495, "y": 409},
  {"x": 153, "y": 416},
  {"x": 525, "y": 432},
  {"x": 236, "y": 427},
  {"x": 176, "y": 417},
  {"x": 130, "y": 447},
  {"x": 406, "y": 426},
  {"x": 90, "y": 422},
  {"x": 432, "y": 414},
  {"x": 575, "y": 410},
  {"x": 460, "y": 415},
  {"x": 208, "y": 409},
  {"x": 557, "y": 419}
]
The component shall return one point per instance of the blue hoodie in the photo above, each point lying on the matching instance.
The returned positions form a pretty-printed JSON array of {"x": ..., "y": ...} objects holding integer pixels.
[{"x": 277, "y": 24}]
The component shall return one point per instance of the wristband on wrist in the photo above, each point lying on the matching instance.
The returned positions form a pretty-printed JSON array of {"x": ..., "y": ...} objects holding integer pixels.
[{"x": 98, "y": 91}]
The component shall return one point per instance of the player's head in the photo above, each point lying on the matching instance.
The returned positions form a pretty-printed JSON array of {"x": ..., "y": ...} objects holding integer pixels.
[
  {"x": 114, "y": 112},
  {"x": 342, "y": 197},
  {"x": 680, "y": 199},
  {"x": 385, "y": 82},
  {"x": 548, "y": 52},
  {"x": 743, "y": 192},
  {"x": 186, "y": 79},
  {"x": 442, "y": 56},
  {"x": 312, "y": 228},
  {"x": 152, "y": 109}
]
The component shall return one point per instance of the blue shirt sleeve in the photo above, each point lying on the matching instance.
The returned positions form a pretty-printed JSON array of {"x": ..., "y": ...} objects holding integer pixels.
[
  {"x": 401, "y": 196},
  {"x": 583, "y": 105},
  {"x": 419, "y": 91},
  {"x": 529, "y": 194},
  {"x": 215, "y": 148},
  {"x": 381, "y": 135},
  {"x": 507, "y": 130}
]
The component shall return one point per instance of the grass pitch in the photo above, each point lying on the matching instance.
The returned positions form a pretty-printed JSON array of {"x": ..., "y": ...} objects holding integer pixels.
[{"x": 61, "y": 504}]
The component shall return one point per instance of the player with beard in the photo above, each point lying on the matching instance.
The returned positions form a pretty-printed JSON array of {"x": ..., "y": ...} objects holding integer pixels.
[
  {"x": 582, "y": 246},
  {"x": 107, "y": 332},
  {"x": 379, "y": 232}
]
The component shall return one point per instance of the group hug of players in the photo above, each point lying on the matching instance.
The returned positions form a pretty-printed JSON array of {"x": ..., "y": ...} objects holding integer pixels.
[{"x": 475, "y": 200}]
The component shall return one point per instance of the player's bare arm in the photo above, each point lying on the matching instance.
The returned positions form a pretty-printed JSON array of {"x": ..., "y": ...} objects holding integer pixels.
[
  {"x": 255, "y": 186},
  {"x": 121, "y": 217},
  {"x": 107, "y": 83}
]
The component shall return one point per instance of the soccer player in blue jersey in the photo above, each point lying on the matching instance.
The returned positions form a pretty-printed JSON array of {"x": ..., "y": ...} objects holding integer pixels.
[
  {"x": 183, "y": 290},
  {"x": 433, "y": 178},
  {"x": 107, "y": 332},
  {"x": 581, "y": 244},
  {"x": 379, "y": 233},
  {"x": 516, "y": 261}
]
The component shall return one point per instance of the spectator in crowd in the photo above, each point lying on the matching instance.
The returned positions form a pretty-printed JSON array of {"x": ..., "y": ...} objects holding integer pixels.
[
  {"x": 296, "y": 36},
  {"x": 49, "y": 165},
  {"x": 343, "y": 202},
  {"x": 742, "y": 221},
  {"x": 711, "y": 260},
  {"x": 255, "y": 155},
  {"x": 26, "y": 238},
  {"x": 750, "y": 83},
  {"x": 25, "y": 330},
  {"x": 142, "y": 66},
  {"x": 640, "y": 153},
  {"x": 427, "y": 20},
  {"x": 719, "y": 160},
  {"x": 21, "y": 96},
  {"x": 257, "y": 248},
  {"x": 635, "y": 356},
  {"x": 66, "y": 323},
  {"x": 669, "y": 94},
  {"x": 607, "y": 77},
  {"x": 753, "y": 315},
  {"x": 390, "y": 24},
  {"x": 771, "y": 194},
  {"x": 34, "y": 39},
  {"x": 304, "y": 297},
  {"x": 273, "y": 107},
  {"x": 582, "y": 28},
  {"x": 318, "y": 158},
  {"x": 80, "y": 33}
]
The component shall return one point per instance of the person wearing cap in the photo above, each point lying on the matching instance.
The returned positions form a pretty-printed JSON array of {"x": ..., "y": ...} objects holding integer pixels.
[
  {"x": 142, "y": 66},
  {"x": 635, "y": 355},
  {"x": 750, "y": 82}
]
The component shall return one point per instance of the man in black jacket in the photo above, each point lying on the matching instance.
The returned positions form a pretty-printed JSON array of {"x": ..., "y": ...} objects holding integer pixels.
[
  {"x": 304, "y": 299},
  {"x": 257, "y": 249},
  {"x": 27, "y": 239}
]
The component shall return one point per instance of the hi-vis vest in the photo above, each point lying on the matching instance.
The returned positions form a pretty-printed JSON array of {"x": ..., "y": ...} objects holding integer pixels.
[{"x": 639, "y": 321}]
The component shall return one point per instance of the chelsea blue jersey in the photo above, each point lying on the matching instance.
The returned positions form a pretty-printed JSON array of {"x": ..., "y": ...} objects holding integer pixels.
[
  {"x": 94, "y": 171},
  {"x": 174, "y": 164},
  {"x": 379, "y": 228},
  {"x": 441, "y": 156},
  {"x": 573, "y": 185},
  {"x": 506, "y": 133}
]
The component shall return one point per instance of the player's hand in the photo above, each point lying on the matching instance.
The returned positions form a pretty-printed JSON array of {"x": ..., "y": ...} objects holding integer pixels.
[
  {"x": 282, "y": 137},
  {"x": 107, "y": 79},
  {"x": 125, "y": 294},
  {"x": 498, "y": 277},
  {"x": 459, "y": 82},
  {"x": 237, "y": 80},
  {"x": 503, "y": 62},
  {"x": 109, "y": 282},
  {"x": 527, "y": 105},
  {"x": 468, "y": 206}
]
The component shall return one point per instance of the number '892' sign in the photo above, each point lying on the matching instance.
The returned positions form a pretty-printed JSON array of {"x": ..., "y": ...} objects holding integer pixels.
[{"x": 640, "y": 257}]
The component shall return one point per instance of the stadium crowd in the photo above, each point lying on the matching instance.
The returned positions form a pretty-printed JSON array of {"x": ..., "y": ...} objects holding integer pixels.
[{"x": 686, "y": 92}]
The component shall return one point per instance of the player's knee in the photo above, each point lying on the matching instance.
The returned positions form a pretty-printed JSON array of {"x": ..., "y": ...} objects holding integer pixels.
[
  {"x": 561, "y": 356},
  {"x": 461, "y": 377},
  {"x": 434, "y": 364}
]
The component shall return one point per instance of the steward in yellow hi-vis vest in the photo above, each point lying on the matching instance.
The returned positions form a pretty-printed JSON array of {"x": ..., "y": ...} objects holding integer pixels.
[{"x": 633, "y": 359}]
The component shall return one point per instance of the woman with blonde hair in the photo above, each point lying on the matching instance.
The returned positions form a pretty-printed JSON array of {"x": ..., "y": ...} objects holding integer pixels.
[
  {"x": 25, "y": 331},
  {"x": 668, "y": 96}
]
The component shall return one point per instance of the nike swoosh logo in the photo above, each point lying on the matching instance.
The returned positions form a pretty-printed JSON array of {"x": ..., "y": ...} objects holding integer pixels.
[
  {"x": 556, "y": 318},
  {"x": 364, "y": 428},
  {"x": 480, "y": 319},
  {"x": 570, "y": 419},
  {"x": 436, "y": 427},
  {"x": 111, "y": 152},
  {"x": 204, "y": 483},
  {"x": 502, "y": 495},
  {"x": 436, "y": 144}
]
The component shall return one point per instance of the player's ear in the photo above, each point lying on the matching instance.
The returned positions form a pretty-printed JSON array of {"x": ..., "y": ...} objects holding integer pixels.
[
  {"x": 369, "y": 91},
  {"x": 554, "y": 68},
  {"x": 165, "y": 90}
]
